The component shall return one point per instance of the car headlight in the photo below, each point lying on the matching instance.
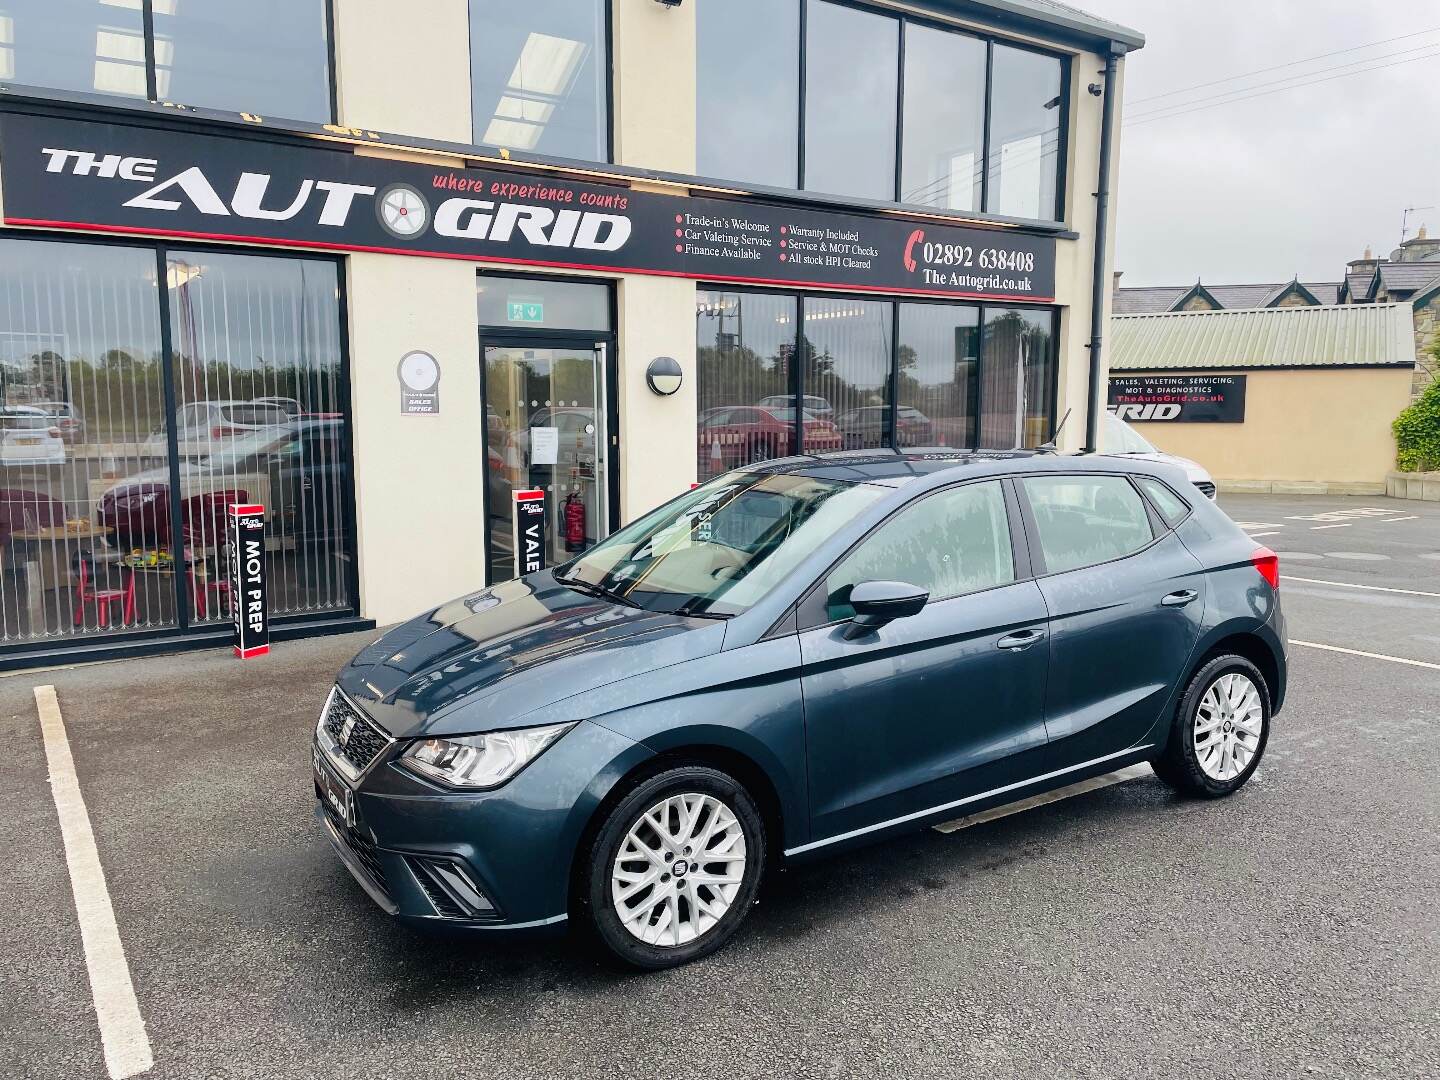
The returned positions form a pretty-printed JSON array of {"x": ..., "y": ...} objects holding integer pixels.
[{"x": 477, "y": 762}]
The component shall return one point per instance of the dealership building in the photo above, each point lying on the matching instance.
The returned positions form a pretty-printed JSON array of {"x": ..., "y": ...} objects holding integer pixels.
[{"x": 380, "y": 272}]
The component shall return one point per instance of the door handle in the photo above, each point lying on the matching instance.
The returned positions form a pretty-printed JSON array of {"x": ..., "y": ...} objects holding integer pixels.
[
  {"x": 1021, "y": 640},
  {"x": 1179, "y": 599}
]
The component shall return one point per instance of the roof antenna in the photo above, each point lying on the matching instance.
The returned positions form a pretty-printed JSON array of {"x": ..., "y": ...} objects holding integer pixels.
[{"x": 1050, "y": 447}]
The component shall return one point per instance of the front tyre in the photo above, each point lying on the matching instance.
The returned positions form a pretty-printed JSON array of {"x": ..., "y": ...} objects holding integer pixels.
[
  {"x": 1220, "y": 730},
  {"x": 675, "y": 867}
]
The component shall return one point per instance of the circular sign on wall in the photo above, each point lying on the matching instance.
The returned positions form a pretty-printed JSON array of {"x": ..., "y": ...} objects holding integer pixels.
[
  {"x": 419, "y": 383},
  {"x": 402, "y": 211}
]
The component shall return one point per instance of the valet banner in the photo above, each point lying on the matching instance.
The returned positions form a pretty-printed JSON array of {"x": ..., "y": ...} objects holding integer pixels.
[{"x": 74, "y": 174}]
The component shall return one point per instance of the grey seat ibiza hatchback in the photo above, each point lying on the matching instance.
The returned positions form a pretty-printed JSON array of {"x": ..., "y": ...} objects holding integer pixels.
[{"x": 789, "y": 660}]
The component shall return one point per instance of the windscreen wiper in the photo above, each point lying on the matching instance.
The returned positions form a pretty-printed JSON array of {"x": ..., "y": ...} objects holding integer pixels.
[{"x": 600, "y": 591}]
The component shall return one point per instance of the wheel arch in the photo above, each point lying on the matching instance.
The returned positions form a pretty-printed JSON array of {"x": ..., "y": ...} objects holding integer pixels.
[{"x": 1253, "y": 647}]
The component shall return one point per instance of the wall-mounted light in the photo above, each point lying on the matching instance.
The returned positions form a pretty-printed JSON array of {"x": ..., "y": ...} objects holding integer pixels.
[
  {"x": 670, "y": 3},
  {"x": 664, "y": 375}
]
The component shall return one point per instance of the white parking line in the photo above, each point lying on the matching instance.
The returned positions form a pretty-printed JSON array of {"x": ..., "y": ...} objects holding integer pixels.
[
  {"x": 1344, "y": 525},
  {"x": 122, "y": 1031},
  {"x": 1352, "y": 585},
  {"x": 1255, "y": 535},
  {"x": 1119, "y": 776},
  {"x": 1412, "y": 517},
  {"x": 1368, "y": 655}
]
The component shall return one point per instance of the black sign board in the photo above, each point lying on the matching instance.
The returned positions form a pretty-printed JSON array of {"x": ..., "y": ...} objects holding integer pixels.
[
  {"x": 529, "y": 531},
  {"x": 249, "y": 607},
  {"x": 74, "y": 174},
  {"x": 1184, "y": 399}
]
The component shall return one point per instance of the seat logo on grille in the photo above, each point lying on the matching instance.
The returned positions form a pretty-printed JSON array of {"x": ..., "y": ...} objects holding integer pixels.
[{"x": 346, "y": 729}]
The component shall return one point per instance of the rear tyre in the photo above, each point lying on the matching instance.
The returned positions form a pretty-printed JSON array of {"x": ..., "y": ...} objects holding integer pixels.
[
  {"x": 674, "y": 868},
  {"x": 1220, "y": 730}
]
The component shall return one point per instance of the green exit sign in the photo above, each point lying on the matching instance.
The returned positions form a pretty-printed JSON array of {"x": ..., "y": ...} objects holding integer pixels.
[{"x": 526, "y": 311}]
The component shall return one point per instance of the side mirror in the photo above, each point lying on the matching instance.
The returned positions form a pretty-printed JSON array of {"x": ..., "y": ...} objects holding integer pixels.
[{"x": 878, "y": 602}]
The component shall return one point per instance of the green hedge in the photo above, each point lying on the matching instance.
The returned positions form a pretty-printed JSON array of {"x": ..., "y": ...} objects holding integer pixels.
[{"x": 1417, "y": 433}]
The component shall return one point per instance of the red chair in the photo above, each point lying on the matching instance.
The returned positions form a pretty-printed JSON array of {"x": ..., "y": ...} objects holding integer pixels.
[
  {"x": 206, "y": 517},
  {"x": 103, "y": 598}
]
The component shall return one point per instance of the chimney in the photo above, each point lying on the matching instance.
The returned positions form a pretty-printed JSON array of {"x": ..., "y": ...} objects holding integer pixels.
[
  {"x": 1422, "y": 234},
  {"x": 1115, "y": 284},
  {"x": 1369, "y": 255}
]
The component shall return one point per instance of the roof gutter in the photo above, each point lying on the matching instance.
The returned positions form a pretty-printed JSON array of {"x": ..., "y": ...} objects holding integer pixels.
[{"x": 1102, "y": 231}]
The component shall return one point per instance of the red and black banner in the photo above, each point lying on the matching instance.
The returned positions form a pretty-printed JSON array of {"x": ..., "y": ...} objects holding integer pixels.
[
  {"x": 529, "y": 531},
  {"x": 249, "y": 606},
  {"x": 1178, "y": 399},
  {"x": 74, "y": 174}
]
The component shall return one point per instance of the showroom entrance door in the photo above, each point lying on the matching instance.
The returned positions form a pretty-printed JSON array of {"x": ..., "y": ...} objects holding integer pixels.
[{"x": 549, "y": 426}]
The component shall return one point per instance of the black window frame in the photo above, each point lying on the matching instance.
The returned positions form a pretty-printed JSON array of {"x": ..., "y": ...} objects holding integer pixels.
[
  {"x": 797, "y": 378},
  {"x": 185, "y": 633},
  {"x": 147, "y": 22},
  {"x": 990, "y": 40}
]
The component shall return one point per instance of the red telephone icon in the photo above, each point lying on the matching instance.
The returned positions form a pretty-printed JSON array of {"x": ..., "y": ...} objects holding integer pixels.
[{"x": 915, "y": 237}]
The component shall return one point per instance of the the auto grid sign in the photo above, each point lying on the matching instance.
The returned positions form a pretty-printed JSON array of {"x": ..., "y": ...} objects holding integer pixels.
[
  {"x": 73, "y": 174},
  {"x": 1194, "y": 399}
]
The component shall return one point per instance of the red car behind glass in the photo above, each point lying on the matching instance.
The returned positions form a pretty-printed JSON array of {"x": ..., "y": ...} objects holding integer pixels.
[{"x": 734, "y": 435}]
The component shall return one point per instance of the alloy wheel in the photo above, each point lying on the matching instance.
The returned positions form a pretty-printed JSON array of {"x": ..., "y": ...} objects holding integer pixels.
[
  {"x": 1228, "y": 724},
  {"x": 678, "y": 870}
]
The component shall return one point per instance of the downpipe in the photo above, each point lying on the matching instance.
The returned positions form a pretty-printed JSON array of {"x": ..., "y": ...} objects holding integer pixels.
[{"x": 1102, "y": 230}]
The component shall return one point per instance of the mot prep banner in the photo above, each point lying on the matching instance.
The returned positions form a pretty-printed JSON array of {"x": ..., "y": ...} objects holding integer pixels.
[
  {"x": 1193, "y": 399},
  {"x": 74, "y": 174},
  {"x": 249, "y": 606}
]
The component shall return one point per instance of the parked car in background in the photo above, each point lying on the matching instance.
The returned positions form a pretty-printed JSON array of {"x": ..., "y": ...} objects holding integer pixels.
[
  {"x": 205, "y": 426},
  {"x": 733, "y": 435},
  {"x": 289, "y": 404},
  {"x": 298, "y": 469},
  {"x": 29, "y": 436},
  {"x": 864, "y": 428},
  {"x": 788, "y": 661},
  {"x": 813, "y": 404},
  {"x": 67, "y": 419},
  {"x": 1118, "y": 437}
]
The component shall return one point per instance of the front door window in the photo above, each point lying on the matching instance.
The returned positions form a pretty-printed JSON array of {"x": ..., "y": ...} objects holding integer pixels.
[{"x": 545, "y": 429}]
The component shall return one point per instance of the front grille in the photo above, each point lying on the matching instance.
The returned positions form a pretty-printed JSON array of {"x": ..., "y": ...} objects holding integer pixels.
[
  {"x": 1206, "y": 488},
  {"x": 363, "y": 850},
  {"x": 364, "y": 740}
]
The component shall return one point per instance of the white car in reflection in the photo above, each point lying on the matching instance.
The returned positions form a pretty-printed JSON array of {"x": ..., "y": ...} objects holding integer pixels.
[
  {"x": 204, "y": 427},
  {"x": 29, "y": 436},
  {"x": 1118, "y": 437}
]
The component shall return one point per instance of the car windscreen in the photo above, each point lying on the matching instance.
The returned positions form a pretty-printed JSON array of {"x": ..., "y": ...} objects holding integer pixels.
[
  {"x": 1118, "y": 437},
  {"x": 721, "y": 548}
]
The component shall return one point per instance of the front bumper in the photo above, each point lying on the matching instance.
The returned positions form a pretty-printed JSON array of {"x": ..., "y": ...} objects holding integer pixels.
[{"x": 488, "y": 862}]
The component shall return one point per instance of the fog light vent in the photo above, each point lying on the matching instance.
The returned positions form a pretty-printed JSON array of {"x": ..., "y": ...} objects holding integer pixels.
[{"x": 449, "y": 888}]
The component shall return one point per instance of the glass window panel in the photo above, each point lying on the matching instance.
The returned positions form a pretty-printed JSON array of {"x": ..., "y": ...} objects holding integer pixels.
[
  {"x": 747, "y": 100},
  {"x": 944, "y": 122},
  {"x": 1026, "y": 107},
  {"x": 745, "y": 348},
  {"x": 951, "y": 543},
  {"x": 538, "y": 72},
  {"x": 542, "y": 303},
  {"x": 846, "y": 373},
  {"x": 1084, "y": 520},
  {"x": 1017, "y": 378},
  {"x": 74, "y": 45},
  {"x": 81, "y": 398},
  {"x": 259, "y": 398},
  {"x": 939, "y": 374},
  {"x": 1171, "y": 506},
  {"x": 851, "y": 87},
  {"x": 270, "y": 57}
]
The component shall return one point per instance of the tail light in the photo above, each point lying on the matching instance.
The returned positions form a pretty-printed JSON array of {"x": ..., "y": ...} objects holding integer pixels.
[
  {"x": 1268, "y": 564},
  {"x": 55, "y": 433},
  {"x": 224, "y": 431}
]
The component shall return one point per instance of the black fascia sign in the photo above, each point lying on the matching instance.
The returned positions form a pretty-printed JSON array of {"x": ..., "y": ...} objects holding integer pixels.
[
  {"x": 64, "y": 173},
  {"x": 1178, "y": 399}
]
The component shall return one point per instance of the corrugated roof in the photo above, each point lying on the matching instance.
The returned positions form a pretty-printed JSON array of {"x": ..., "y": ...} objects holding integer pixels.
[{"x": 1266, "y": 338}]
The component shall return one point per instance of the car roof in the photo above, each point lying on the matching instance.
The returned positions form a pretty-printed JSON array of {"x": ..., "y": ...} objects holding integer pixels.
[{"x": 934, "y": 465}]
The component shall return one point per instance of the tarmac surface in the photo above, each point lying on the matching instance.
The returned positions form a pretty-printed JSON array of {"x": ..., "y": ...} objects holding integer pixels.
[{"x": 1290, "y": 931}]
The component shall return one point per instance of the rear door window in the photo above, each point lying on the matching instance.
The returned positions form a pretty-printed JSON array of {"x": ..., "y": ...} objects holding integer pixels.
[
  {"x": 954, "y": 542},
  {"x": 1084, "y": 520}
]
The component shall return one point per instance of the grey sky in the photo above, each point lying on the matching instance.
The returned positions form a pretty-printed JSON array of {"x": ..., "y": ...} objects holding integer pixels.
[{"x": 1293, "y": 182}]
